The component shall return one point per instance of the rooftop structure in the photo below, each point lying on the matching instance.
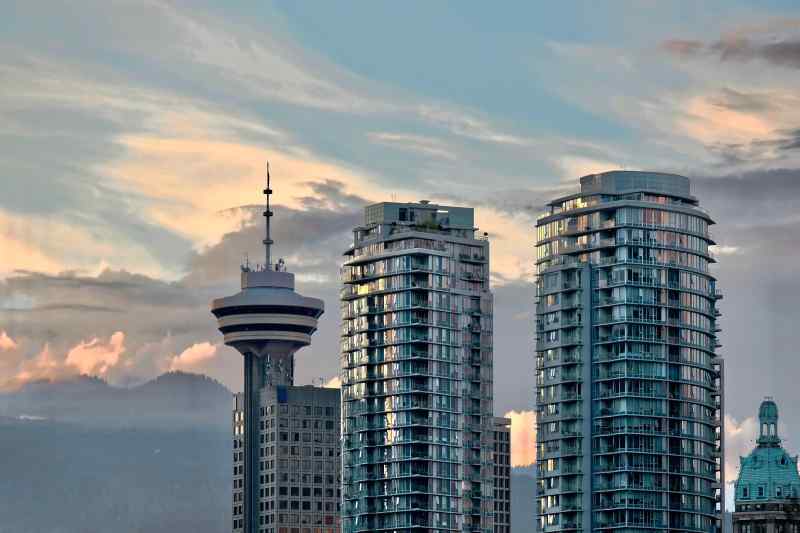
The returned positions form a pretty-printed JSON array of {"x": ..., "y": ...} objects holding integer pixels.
[
  {"x": 769, "y": 472},
  {"x": 768, "y": 489}
]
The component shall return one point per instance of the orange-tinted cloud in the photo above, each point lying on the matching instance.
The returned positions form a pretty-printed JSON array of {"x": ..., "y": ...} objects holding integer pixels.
[
  {"x": 523, "y": 437},
  {"x": 96, "y": 357},
  {"x": 193, "y": 356},
  {"x": 6, "y": 342},
  {"x": 44, "y": 366},
  {"x": 739, "y": 441},
  {"x": 708, "y": 122},
  {"x": 334, "y": 383},
  {"x": 187, "y": 181}
]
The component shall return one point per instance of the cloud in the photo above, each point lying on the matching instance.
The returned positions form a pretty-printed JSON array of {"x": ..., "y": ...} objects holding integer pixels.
[
  {"x": 708, "y": 122},
  {"x": 45, "y": 365},
  {"x": 93, "y": 357},
  {"x": 748, "y": 102},
  {"x": 721, "y": 249},
  {"x": 193, "y": 356},
  {"x": 465, "y": 125},
  {"x": 744, "y": 129},
  {"x": 523, "y": 437},
  {"x": 334, "y": 383},
  {"x": 6, "y": 342},
  {"x": 33, "y": 242},
  {"x": 739, "y": 442},
  {"x": 164, "y": 318},
  {"x": 683, "y": 47},
  {"x": 415, "y": 143},
  {"x": 574, "y": 167},
  {"x": 311, "y": 238},
  {"x": 776, "y": 43},
  {"x": 96, "y": 358}
]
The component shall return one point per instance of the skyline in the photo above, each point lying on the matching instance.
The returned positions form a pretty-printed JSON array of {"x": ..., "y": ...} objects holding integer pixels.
[{"x": 133, "y": 168}]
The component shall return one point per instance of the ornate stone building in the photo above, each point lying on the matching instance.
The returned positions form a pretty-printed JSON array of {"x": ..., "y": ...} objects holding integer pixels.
[{"x": 768, "y": 488}]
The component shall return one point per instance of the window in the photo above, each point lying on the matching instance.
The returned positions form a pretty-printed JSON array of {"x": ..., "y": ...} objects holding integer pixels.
[
  {"x": 745, "y": 492},
  {"x": 761, "y": 491}
]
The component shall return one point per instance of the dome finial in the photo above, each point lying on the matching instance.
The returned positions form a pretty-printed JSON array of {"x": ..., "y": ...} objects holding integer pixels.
[{"x": 768, "y": 423}]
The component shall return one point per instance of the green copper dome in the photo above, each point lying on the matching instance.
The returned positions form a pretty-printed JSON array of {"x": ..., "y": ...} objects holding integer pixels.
[{"x": 769, "y": 472}]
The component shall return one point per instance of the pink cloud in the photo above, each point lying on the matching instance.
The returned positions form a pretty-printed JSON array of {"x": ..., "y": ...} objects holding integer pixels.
[
  {"x": 96, "y": 357},
  {"x": 194, "y": 355},
  {"x": 740, "y": 440},
  {"x": 43, "y": 366},
  {"x": 334, "y": 383},
  {"x": 523, "y": 437},
  {"x": 6, "y": 342}
]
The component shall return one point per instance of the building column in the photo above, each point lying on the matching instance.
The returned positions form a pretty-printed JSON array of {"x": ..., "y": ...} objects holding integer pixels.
[
  {"x": 253, "y": 381},
  {"x": 586, "y": 390}
]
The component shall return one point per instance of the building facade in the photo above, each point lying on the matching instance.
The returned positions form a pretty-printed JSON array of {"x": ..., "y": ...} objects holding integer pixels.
[
  {"x": 299, "y": 470},
  {"x": 267, "y": 322},
  {"x": 629, "y": 386},
  {"x": 502, "y": 475},
  {"x": 417, "y": 372},
  {"x": 768, "y": 489}
]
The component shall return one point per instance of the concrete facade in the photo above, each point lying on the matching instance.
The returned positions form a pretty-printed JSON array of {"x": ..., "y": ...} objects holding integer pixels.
[{"x": 299, "y": 468}]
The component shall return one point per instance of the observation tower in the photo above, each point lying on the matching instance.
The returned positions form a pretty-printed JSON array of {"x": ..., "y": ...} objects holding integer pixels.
[{"x": 267, "y": 322}]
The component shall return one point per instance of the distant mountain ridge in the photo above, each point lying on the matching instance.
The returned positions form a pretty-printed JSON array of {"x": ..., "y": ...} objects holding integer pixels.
[
  {"x": 154, "y": 457},
  {"x": 173, "y": 399}
]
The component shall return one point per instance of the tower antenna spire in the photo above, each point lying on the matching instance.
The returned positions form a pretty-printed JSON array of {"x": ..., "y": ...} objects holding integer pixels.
[{"x": 268, "y": 215}]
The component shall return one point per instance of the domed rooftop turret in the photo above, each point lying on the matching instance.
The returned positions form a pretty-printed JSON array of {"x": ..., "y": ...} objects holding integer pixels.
[{"x": 769, "y": 473}]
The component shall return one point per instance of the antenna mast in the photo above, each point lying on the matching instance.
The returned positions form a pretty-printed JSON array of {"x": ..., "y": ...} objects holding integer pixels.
[{"x": 268, "y": 215}]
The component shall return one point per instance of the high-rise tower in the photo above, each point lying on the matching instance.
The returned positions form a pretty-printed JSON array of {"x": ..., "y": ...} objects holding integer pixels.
[
  {"x": 417, "y": 373},
  {"x": 629, "y": 386},
  {"x": 267, "y": 322}
]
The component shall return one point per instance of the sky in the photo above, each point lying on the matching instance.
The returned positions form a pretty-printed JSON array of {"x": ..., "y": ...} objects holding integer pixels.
[{"x": 134, "y": 137}]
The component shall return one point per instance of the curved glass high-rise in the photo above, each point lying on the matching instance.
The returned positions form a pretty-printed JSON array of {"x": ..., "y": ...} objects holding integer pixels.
[
  {"x": 417, "y": 373},
  {"x": 629, "y": 387}
]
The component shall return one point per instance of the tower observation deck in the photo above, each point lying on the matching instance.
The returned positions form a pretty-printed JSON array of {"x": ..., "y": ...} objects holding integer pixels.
[{"x": 267, "y": 322}]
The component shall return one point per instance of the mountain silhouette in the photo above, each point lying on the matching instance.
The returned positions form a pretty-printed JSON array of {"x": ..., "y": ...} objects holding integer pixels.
[{"x": 174, "y": 399}]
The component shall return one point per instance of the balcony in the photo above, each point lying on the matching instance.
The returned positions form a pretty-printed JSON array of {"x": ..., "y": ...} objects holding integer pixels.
[{"x": 472, "y": 258}]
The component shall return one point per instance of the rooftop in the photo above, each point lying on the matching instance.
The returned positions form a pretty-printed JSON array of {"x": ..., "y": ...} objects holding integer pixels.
[
  {"x": 620, "y": 182},
  {"x": 421, "y": 212},
  {"x": 769, "y": 472}
]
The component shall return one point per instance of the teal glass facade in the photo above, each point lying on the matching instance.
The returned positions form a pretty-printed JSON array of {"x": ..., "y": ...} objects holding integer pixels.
[
  {"x": 629, "y": 386},
  {"x": 417, "y": 373}
]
